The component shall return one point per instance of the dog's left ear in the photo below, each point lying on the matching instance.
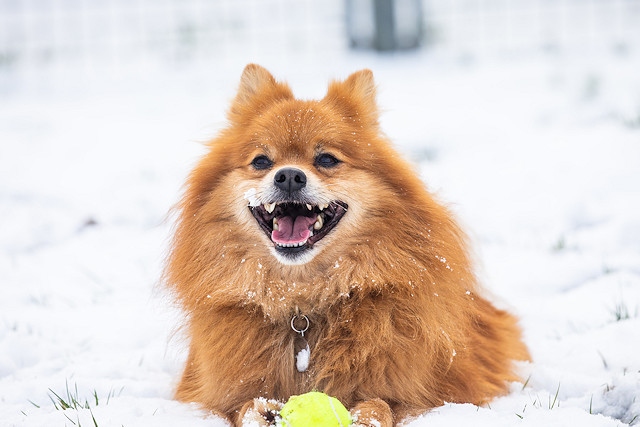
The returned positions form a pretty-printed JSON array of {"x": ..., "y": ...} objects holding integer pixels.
[
  {"x": 258, "y": 89},
  {"x": 355, "y": 97}
]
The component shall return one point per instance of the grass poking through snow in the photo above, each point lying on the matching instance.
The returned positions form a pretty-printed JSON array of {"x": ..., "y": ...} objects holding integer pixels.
[{"x": 70, "y": 403}]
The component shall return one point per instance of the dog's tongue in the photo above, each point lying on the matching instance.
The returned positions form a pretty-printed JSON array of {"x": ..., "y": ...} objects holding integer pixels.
[{"x": 292, "y": 230}]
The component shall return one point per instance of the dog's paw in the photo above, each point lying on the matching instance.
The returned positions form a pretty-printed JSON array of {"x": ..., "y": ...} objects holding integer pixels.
[
  {"x": 372, "y": 413},
  {"x": 259, "y": 412}
]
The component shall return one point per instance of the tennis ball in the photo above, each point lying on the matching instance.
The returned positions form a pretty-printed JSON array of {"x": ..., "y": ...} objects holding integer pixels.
[{"x": 314, "y": 409}]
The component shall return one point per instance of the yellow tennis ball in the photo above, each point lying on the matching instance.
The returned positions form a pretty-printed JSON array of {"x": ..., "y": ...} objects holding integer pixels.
[{"x": 314, "y": 409}]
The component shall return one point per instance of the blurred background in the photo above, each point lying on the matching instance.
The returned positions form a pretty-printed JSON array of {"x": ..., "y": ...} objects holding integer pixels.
[
  {"x": 523, "y": 116},
  {"x": 118, "y": 35}
]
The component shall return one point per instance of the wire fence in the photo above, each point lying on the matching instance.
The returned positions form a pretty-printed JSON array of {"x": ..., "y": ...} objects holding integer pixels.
[
  {"x": 34, "y": 33},
  {"x": 117, "y": 31},
  {"x": 517, "y": 25}
]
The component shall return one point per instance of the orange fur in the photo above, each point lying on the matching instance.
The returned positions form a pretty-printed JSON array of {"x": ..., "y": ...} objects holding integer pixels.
[{"x": 397, "y": 324}]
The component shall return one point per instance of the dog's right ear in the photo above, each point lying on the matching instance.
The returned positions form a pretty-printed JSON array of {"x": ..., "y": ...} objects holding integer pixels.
[
  {"x": 355, "y": 97},
  {"x": 258, "y": 89}
]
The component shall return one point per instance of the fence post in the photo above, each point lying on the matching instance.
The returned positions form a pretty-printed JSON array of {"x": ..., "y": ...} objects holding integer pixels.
[
  {"x": 384, "y": 25},
  {"x": 385, "y": 32}
]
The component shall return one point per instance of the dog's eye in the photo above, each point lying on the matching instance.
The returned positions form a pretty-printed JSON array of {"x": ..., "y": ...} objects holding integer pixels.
[
  {"x": 261, "y": 163},
  {"x": 326, "y": 160}
]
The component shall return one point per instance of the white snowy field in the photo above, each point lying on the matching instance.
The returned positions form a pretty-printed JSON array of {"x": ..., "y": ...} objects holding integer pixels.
[{"x": 539, "y": 156}]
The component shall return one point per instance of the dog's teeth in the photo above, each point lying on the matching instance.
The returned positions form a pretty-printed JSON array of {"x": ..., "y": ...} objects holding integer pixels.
[
  {"x": 292, "y": 245},
  {"x": 309, "y": 206},
  {"x": 319, "y": 223},
  {"x": 323, "y": 206},
  {"x": 269, "y": 207},
  {"x": 275, "y": 224}
]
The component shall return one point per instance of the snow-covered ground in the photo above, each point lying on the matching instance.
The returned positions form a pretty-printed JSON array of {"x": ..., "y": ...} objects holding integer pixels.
[{"x": 539, "y": 156}]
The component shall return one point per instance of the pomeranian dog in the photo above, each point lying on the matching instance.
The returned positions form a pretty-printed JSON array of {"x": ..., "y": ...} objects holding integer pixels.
[{"x": 308, "y": 255}]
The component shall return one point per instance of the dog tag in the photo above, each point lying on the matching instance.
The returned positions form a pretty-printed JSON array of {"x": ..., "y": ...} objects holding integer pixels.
[{"x": 301, "y": 346}]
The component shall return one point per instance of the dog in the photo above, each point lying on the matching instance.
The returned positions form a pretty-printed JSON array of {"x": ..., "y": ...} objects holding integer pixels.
[{"x": 308, "y": 255}]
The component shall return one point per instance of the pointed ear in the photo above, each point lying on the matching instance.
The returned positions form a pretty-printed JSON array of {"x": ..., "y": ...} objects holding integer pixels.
[
  {"x": 356, "y": 96},
  {"x": 258, "y": 88}
]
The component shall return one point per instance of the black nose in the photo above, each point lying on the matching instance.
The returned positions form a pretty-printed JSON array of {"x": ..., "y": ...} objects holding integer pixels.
[{"x": 290, "y": 179}]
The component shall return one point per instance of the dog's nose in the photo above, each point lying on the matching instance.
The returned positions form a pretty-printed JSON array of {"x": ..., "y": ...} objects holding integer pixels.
[{"x": 290, "y": 179}]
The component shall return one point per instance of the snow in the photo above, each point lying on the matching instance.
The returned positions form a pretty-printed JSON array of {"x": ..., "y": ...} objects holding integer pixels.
[
  {"x": 302, "y": 359},
  {"x": 251, "y": 197},
  {"x": 538, "y": 155}
]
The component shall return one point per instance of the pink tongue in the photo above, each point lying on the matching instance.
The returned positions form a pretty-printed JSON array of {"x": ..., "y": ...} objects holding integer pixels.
[{"x": 290, "y": 231}]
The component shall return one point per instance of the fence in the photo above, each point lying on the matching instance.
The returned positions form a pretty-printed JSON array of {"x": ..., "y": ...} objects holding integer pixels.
[
  {"x": 516, "y": 25},
  {"x": 45, "y": 31},
  {"x": 34, "y": 33}
]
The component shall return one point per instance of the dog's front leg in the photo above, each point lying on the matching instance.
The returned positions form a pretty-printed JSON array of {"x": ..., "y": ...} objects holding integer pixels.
[
  {"x": 259, "y": 412},
  {"x": 372, "y": 413}
]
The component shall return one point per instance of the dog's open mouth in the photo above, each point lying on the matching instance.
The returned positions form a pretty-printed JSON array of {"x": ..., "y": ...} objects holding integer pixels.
[{"x": 293, "y": 226}]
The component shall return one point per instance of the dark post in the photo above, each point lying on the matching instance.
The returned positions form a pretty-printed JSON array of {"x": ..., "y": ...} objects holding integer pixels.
[
  {"x": 384, "y": 25},
  {"x": 385, "y": 37}
]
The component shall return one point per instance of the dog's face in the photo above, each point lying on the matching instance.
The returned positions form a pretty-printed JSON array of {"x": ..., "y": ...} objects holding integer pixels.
[
  {"x": 303, "y": 176},
  {"x": 297, "y": 171},
  {"x": 297, "y": 183}
]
